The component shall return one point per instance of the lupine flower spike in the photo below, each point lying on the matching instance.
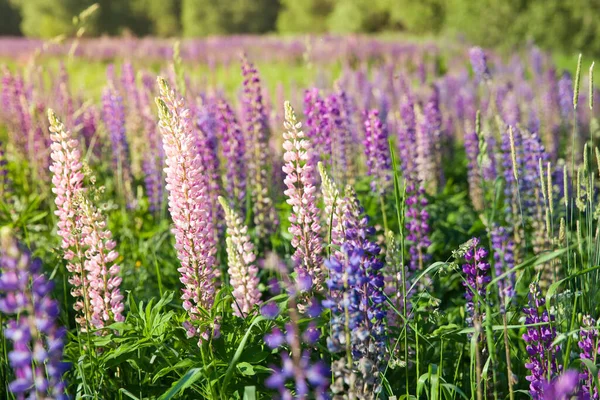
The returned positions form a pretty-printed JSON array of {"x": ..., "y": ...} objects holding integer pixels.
[{"x": 189, "y": 206}]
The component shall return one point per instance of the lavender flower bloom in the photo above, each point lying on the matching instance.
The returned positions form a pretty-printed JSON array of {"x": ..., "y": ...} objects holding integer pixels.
[
  {"x": 305, "y": 226},
  {"x": 357, "y": 301},
  {"x": 533, "y": 152},
  {"x": 333, "y": 209},
  {"x": 242, "y": 269},
  {"x": 113, "y": 114},
  {"x": 479, "y": 63},
  {"x": 407, "y": 138},
  {"x": 565, "y": 97},
  {"x": 476, "y": 280},
  {"x": 377, "y": 152},
  {"x": 563, "y": 387},
  {"x": 37, "y": 341},
  {"x": 189, "y": 205},
  {"x": 304, "y": 374},
  {"x": 315, "y": 110},
  {"x": 418, "y": 227},
  {"x": 233, "y": 147},
  {"x": 542, "y": 355},
  {"x": 588, "y": 344},
  {"x": 504, "y": 261},
  {"x": 471, "y": 143},
  {"x": 426, "y": 166},
  {"x": 338, "y": 134},
  {"x": 257, "y": 141}
]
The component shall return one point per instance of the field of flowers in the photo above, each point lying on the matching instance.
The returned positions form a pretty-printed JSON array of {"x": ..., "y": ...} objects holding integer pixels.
[{"x": 370, "y": 219}]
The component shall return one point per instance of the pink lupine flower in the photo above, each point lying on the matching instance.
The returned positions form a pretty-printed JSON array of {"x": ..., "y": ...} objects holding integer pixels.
[
  {"x": 333, "y": 213},
  {"x": 189, "y": 205},
  {"x": 305, "y": 226},
  {"x": 241, "y": 257},
  {"x": 67, "y": 179},
  {"x": 103, "y": 277},
  {"x": 86, "y": 242}
]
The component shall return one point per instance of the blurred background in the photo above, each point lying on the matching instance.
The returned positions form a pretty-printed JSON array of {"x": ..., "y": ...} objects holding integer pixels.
[{"x": 563, "y": 26}]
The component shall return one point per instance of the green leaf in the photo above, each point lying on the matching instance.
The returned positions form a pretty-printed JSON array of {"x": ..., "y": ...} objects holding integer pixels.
[
  {"x": 183, "y": 383},
  {"x": 246, "y": 369},
  {"x": 250, "y": 393}
]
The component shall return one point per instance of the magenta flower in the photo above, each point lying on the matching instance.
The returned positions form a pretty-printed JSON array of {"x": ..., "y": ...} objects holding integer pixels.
[
  {"x": 243, "y": 273},
  {"x": 305, "y": 226},
  {"x": 189, "y": 205}
]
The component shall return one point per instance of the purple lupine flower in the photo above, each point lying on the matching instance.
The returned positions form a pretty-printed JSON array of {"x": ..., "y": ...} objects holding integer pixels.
[
  {"x": 315, "y": 110},
  {"x": 425, "y": 154},
  {"x": 538, "y": 339},
  {"x": 357, "y": 301},
  {"x": 257, "y": 142},
  {"x": 417, "y": 226},
  {"x": 377, "y": 152},
  {"x": 241, "y": 258},
  {"x": 305, "y": 226},
  {"x": 233, "y": 147},
  {"x": 189, "y": 205},
  {"x": 565, "y": 97},
  {"x": 37, "y": 341},
  {"x": 479, "y": 63},
  {"x": 407, "y": 138},
  {"x": 395, "y": 268},
  {"x": 433, "y": 116},
  {"x": 504, "y": 261},
  {"x": 207, "y": 147},
  {"x": 471, "y": 143},
  {"x": 338, "y": 134},
  {"x": 153, "y": 158},
  {"x": 510, "y": 111},
  {"x": 113, "y": 114},
  {"x": 533, "y": 152},
  {"x": 563, "y": 387},
  {"x": 476, "y": 279},
  {"x": 333, "y": 210},
  {"x": 588, "y": 344}
]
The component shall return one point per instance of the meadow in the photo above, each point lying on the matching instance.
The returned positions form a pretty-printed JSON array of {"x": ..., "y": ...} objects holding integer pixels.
[{"x": 327, "y": 217}]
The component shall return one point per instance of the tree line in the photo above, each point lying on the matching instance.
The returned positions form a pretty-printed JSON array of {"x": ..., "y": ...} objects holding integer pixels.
[{"x": 554, "y": 24}]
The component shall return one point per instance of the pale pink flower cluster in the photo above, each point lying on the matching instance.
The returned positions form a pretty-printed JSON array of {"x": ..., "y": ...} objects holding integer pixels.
[
  {"x": 333, "y": 211},
  {"x": 243, "y": 273},
  {"x": 189, "y": 206},
  {"x": 86, "y": 242},
  {"x": 305, "y": 226}
]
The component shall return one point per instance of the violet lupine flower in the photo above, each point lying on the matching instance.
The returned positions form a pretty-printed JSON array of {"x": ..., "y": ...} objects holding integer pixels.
[
  {"x": 588, "y": 344},
  {"x": 338, "y": 135},
  {"x": 257, "y": 142},
  {"x": 479, "y": 63},
  {"x": 154, "y": 155},
  {"x": 418, "y": 227},
  {"x": 67, "y": 179},
  {"x": 241, "y": 258},
  {"x": 476, "y": 279},
  {"x": 37, "y": 341},
  {"x": 504, "y": 261},
  {"x": 305, "y": 225},
  {"x": 471, "y": 143},
  {"x": 565, "y": 98},
  {"x": 407, "y": 138},
  {"x": 533, "y": 152},
  {"x": 233, "y": 147},
  {"x": 425, "y": 155},
  {"x": 189, "y": 206},
  {"x": 563, "y": 387},
  {"x": 542, "y": 355},
  {"x": 357, "y": 301},
  {"x": 377, "y": 152},
  {"x": 113, "y": 114},
  {"x": 4, "y": 180},
  {"x": 433, "y": 116},
  {"x": 395, "y": 269},
  {"x": 315, "y": 110}
]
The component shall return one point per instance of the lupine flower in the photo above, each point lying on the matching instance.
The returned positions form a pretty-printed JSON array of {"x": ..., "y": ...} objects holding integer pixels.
[
  {"x": 427, "y": 170},
  {"x": 565, "y": 97},
  {"x": 315, "y": 110},
  {"x": 153, "y": 157},
  {"x": 68, "y": 187},
  {"x": 189, "y": 206},
  {"x": 103, "y": 278},
  {"x": 241, "y": 259},
  {"x": 113, "y": 114},
  {"x": 257, "y": 144},
  {"x": 542, "y": 354},
  {"x": 504, "y": 261},
  {"x": 357, "y": 301},
  {"x": 588, "y": 344},
  {"x": 417, "y": 226},
  {"x": 471, "y": 143},
  {"x": 305, "y": 225},
  {"x": 394, "y": 272},
  {"x": 233, "y": 147},
  {"x": 87, "y": 243},
  {"x": 338, "y": 133},
  {"x": 476, "y": 279},
  {"x": 407, "y": 138},
  {"x": 479, "y": 63},
  {"x": 563, "y": 387},
  {"x": 377, "y": 152},
  {"x": 36, "y": 340}
]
